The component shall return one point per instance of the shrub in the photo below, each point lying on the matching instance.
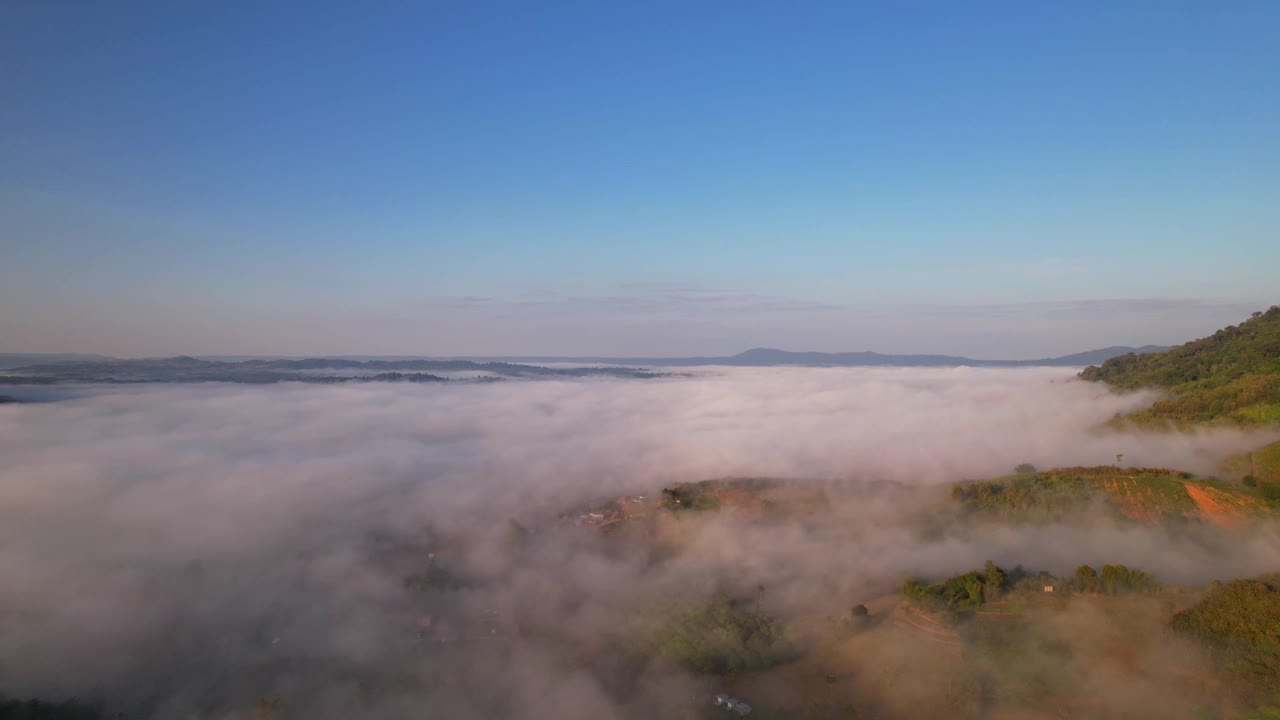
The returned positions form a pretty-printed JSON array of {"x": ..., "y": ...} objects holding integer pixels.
[{"x": 993, "y": 578}]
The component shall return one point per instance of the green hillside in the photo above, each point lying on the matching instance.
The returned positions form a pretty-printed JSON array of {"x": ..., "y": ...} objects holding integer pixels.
[
  {"x": 1241, "y": 621},
  {"x": 1148, "y": 495},
  {"x": 1230, "y": 377},
  {"x": 1259, "y": 469}
]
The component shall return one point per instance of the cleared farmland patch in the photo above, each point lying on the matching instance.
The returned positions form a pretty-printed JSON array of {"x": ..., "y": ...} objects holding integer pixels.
[
  {"x": 1147, "y": 498},
  {"x": 1223, "y": 507},
  {"x": 1145, "y": 495}
]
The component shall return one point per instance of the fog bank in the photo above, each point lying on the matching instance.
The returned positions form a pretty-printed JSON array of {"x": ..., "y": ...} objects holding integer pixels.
[{"x": 171, "y": 548}]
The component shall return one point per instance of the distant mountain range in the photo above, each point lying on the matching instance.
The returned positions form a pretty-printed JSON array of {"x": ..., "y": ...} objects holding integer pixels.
[
  {"x": 771, "y": 357},
  {"x": 17, "y": 369},
  {"x": 314, "y": 370}
]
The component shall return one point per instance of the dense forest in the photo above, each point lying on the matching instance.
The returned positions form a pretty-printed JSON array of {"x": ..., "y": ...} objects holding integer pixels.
[{"x": 1230, "y": 377}]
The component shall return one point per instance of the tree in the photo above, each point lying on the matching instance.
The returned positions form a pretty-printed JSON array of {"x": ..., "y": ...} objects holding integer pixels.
[
  {"x": 994, "y": 580},
  {"x": 1120, "y": 579},
  {"x": 1110, "y": 576},
  {"x": 1087, "y": 579},
  {"x": 1025, "y": 469},
  {"x": 973, "y": 586}
]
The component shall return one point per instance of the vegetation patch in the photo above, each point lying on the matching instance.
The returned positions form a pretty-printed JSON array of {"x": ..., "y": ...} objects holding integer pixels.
[
  {"x": 1240, "y": 620},
  {"x": 1258, "y": 470},
  {"x": 722, "y": 635},
  {"x": 714, "y": 494},
  {"x": 1113, "y": 580}
]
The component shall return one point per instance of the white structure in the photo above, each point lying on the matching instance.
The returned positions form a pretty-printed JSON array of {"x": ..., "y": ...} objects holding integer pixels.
[{"x": 731, "y": 703}]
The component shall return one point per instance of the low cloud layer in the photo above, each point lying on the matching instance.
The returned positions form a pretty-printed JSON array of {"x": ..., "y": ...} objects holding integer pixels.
[{"x": 171, "y": 548}]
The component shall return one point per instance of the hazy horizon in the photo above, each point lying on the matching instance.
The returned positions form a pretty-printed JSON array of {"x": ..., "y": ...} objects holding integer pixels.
[
  {"x": 1216, "y": 316},
  {"x": 548, "y": 357}
]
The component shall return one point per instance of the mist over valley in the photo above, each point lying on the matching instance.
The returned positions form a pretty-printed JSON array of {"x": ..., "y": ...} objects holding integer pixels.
[{"x": 221, "y": 549}]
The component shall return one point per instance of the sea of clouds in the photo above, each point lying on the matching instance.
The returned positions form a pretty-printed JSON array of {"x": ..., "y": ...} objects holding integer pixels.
[{"x": 182, "y": 550}]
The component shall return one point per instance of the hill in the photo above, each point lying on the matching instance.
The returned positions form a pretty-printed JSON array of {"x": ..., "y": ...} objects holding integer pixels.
[
  {"x": 1148, "y": 495},
  {"x": 1098, "y": 356},
  {"x": 1241, "y": 620},
  {"x": 1231, "y": 377}
]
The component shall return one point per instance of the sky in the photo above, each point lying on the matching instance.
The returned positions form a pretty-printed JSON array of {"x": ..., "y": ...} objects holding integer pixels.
[{"x": 999, "y": 180}]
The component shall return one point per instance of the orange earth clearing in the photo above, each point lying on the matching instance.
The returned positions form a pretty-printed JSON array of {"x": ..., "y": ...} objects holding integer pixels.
[{"x": 1225, "y": 509}]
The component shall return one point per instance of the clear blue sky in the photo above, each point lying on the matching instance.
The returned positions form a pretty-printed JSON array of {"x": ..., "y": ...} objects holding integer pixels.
[{"x": 994, "y": 179}]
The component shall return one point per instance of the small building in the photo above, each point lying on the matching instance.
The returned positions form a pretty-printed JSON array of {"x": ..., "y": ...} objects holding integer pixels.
[{"x": 732, "y": 704}]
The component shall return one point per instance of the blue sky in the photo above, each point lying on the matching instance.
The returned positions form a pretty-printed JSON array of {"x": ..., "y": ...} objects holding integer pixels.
[{"x": 992, "y": 179}]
